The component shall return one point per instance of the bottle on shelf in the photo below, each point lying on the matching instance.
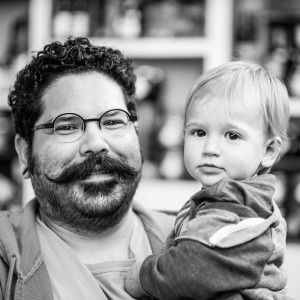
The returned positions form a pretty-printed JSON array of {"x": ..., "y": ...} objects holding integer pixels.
[
  {"x": 127, "y": 24},
  {"x": 62, "y": 21},
  {"x": 80, "y": 18}
]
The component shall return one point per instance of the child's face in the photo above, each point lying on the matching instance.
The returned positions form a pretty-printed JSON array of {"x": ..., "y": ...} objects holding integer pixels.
[{"x": 223, "y": 142}]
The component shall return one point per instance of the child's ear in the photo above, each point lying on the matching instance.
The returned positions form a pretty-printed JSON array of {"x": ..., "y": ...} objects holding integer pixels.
[
  {"x": 272, "y": 150},
  {"x": 22, "y": 150}
]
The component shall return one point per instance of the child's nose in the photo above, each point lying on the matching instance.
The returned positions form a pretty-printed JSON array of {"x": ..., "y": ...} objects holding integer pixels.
[{"x": 212, "y": 147}]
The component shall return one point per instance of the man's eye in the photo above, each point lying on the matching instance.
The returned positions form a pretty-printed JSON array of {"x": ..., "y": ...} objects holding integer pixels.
[
  {"x": 199, "y": 132},
  {"x": 68, "y": 128},
  {"x": 232, "y": 136},
  {"x": 113, "y": 124}
]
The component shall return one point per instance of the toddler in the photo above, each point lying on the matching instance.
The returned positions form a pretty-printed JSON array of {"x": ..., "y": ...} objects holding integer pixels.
[{"x": 229, "y": 238}]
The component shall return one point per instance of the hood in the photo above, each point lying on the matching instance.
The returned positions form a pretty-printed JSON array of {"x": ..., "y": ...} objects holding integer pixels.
[
  {"x": 8, "y": 242},
  {"x": 255, "y": 193},
  {"x": 18, "y": 237}
]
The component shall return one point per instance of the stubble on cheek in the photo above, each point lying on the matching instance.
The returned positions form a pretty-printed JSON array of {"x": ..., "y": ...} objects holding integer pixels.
[{"x": 45, "y": 164}]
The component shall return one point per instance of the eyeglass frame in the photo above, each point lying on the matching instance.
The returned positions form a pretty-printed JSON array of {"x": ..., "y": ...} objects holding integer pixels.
[{"x": 131, "y": 118}]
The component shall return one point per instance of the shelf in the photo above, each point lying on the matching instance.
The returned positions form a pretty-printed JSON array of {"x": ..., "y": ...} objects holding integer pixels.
[
  {"x": 214, "y": 47},
  {"x": 159, "y": 48}
]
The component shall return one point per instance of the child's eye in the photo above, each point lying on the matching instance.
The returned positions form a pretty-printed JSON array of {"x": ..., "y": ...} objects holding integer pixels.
[
  {"x": 199, "y": 132},
  {"x": 232, "y": 136}
]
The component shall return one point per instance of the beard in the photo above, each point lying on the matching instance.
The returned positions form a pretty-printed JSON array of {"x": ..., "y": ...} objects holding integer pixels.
[{"x": 86, "y": 206}]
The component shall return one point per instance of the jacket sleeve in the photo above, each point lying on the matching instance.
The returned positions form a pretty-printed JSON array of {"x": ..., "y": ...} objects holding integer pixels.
[{"x": 194, "y": 268}]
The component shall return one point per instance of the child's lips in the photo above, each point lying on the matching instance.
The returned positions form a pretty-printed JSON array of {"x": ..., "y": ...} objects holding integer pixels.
[{"x": 211, "y": 169}]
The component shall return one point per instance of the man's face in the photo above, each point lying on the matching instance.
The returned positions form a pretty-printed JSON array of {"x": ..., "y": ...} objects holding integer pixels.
[{"x": 87, "y": 184}]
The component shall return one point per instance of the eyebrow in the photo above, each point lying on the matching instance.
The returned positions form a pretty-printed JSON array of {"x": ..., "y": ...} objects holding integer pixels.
[
  {"x": 229, "y": 125},
  {"x": 111, "y": 113},
  {"x": 52, "y": 119},
  {"x": 193, "y": 124},
  {"x": 66, "y": 118}
]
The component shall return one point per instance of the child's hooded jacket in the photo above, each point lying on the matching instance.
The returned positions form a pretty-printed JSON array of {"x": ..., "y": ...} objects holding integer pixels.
[{"x": 228, "y": 243}]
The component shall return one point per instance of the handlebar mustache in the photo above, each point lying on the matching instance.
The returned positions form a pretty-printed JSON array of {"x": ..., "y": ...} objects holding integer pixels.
[{"x": 104, "y": 163}]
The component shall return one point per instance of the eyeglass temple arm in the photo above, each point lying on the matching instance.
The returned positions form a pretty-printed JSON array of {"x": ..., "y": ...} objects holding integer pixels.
[{"x": 42, "y": 126}]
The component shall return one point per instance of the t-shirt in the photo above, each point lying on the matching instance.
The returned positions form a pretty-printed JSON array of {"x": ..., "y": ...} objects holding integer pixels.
[{"x": 72, "y": 279}]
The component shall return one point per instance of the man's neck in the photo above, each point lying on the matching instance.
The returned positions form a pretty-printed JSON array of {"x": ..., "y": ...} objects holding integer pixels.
[{"x": 111, "y": 244}]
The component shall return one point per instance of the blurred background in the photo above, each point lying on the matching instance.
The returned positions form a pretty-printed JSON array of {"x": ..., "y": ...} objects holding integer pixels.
[{"x": 171, "y": 43}]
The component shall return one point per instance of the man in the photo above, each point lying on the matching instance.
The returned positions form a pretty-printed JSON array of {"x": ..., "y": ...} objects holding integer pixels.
[{"x": 75, "y": 118}]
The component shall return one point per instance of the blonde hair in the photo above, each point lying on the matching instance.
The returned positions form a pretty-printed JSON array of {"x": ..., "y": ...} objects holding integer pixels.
[{"x": 237, "y": 79}]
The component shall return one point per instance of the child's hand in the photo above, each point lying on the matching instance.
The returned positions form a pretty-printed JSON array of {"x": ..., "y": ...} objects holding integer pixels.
[{"x": 132, "y": 282}]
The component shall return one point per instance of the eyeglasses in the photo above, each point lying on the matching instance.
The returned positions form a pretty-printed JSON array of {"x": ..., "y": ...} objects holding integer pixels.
[{"x": 70, "y": 127}]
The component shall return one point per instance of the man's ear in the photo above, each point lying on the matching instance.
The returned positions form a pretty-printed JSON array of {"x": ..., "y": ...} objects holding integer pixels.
[
  {"x": 22, "y": 149},
  {"x": 272, "y": 150}
]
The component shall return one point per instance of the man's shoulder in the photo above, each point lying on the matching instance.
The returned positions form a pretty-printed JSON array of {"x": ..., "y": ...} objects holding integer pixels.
[
  {"x": 161, "y": 221},
  {"x": 164, "y": 221},
  {"x": 20, "y": 217}
]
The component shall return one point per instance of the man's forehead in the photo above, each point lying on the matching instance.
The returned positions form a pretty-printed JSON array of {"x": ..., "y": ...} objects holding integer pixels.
[{"x": 91, "y": 93}]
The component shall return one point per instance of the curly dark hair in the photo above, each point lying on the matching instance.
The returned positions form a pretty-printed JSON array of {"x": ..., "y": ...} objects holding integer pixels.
[{"x": 75, "y": 56}]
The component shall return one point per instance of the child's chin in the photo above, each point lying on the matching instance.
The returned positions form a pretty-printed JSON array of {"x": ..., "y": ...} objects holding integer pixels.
[{"x": 208, "y": 182}]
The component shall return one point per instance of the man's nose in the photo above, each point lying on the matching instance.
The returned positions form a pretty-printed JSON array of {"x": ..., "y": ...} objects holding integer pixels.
[{"x": 93, "y": 141}]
